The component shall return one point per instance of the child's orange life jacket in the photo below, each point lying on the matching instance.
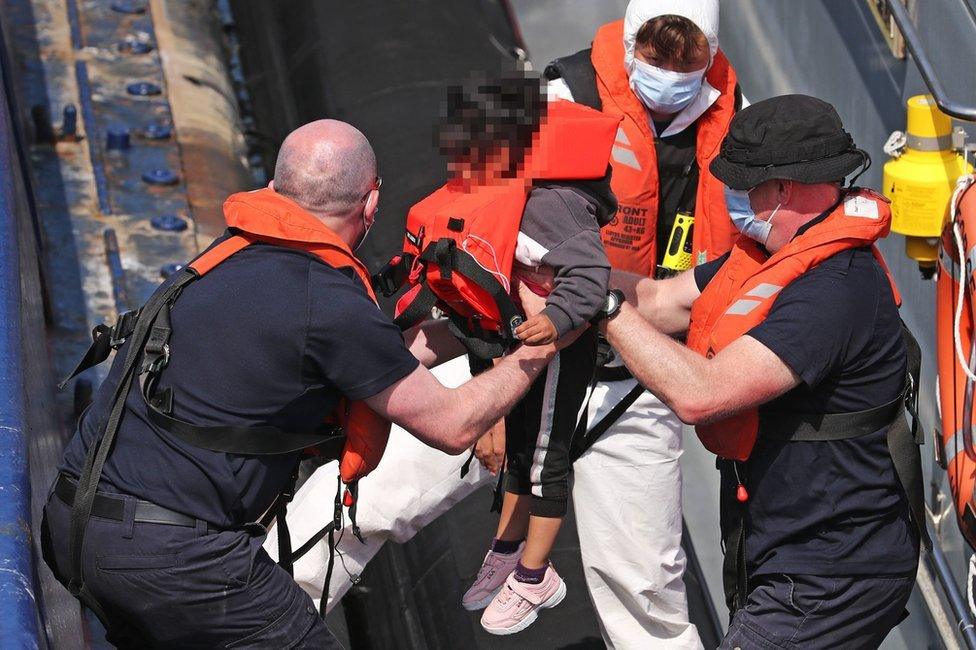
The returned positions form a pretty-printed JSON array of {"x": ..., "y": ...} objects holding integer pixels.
[{"x": 460, "y": 243}]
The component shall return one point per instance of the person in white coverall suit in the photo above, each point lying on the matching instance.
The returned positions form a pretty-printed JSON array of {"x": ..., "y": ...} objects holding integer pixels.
[{"x": 626, "y": 488}]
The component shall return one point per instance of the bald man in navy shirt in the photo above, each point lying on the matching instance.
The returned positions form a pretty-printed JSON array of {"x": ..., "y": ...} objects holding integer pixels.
[{"x": 270, "y": 336}]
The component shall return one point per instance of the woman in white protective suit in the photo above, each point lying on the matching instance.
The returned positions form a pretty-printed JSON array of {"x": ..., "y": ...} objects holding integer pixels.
[{"x": 660, "y": 69}]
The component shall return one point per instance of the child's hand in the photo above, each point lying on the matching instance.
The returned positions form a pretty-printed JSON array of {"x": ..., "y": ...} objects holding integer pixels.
[
  {"x": 490, "y": 448},
  {"x": 537, "y": 330}
]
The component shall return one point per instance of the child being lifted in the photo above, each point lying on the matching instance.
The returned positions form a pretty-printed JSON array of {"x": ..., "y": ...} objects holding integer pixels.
[{"x": 527, "y": 196}]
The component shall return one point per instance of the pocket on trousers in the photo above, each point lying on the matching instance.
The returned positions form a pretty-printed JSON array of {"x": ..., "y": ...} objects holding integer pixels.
[
  {"x": 218, "y": 561},
  {"x": 126, "y": 563},
  {"x": 807, "y": 594}
]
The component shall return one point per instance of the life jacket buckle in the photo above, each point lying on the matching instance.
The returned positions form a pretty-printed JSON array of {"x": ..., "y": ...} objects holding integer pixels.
[
  {"x": 475, "y": 327},
  {"x": 156, "y": 361},
  {"x": 123, "y": 328},
  {"x": 391, "y": 277},
  {"x": 163, "y": 401}
]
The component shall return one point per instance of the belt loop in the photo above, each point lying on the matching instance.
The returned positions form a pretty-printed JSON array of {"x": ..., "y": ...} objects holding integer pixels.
[
  {"x": 128, "y": 517},
  {"x": 201, "y": 527}
]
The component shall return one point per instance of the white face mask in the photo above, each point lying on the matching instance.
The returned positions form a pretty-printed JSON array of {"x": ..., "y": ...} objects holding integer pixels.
[
  {"x": 665, "y": 91},
  {"x": 744, "y": 218}
]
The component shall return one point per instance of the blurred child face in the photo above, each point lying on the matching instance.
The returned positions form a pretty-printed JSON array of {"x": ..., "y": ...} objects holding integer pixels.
[{"x": 476, "y": 168}]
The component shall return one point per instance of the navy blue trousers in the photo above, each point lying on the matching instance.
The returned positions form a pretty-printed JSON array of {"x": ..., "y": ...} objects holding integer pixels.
[
  {"x": 810, "y": 612},
  {"x": 184, "y": 587}
]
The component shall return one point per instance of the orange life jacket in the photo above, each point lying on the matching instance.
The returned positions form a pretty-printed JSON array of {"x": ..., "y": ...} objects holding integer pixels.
[
  {"x": 743, "y": 291},
  {"x": 631, "y": 239},
  {"x": 266, "y": 216},
  {"x": 461, "y": 242}
]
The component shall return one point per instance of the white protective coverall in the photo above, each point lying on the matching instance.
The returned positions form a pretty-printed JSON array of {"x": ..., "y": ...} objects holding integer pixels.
[
  {"x": 627, "y": 486},
  {"x": 412, "y": 486}
]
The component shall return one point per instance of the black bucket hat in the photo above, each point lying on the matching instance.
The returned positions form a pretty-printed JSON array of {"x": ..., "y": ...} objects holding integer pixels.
[{"x": 794, "y": 137}]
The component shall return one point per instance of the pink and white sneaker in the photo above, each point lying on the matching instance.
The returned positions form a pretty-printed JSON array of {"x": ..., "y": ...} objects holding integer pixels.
[
  {"x": 517, "y": 605},
  {"x": 491, "y": 578}
]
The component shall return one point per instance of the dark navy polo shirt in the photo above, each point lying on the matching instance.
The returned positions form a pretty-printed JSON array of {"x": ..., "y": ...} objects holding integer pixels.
[
  {"x": 270, "y": 336},
  {"x": 830, "y": 507}
]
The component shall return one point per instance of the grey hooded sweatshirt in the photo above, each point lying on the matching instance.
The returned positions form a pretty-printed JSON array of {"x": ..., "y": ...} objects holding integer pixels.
[{"x": 560, "y": 231}]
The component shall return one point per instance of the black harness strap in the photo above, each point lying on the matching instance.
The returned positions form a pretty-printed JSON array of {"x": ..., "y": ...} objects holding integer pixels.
[
  {"x": 285, "y": 558},
  {"x": 313, "y": 540},
  {"x": 903, "y": 441},
  {"x": 906, "y": 456},
  {"x": 482, "y": 346},
  {"x": 104, "y": 340},
  {"x": 100, "y": 448},
  {"x": 260, "y": 440},
  {"x": 584, "y": 438},
  {"x": 264, "y": 440},
  {"x": 148, "y": 331},
  {"x": 822, "y": 427}
]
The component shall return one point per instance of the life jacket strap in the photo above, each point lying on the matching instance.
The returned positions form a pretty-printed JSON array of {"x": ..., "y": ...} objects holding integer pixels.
[
  {"x": 99, "y": 449},
  {"x": 449, "y": 259},
  {"x": 104, "y": 340},
  {"x": 580, "y": 76},
  {"x": 822, "y": 427},
  {"x": 286, "y": 559},
  {"x": 393, "y": 275},
  {"x": 903, "y": 442},
  {"x": 261, "y": 440},
  {"x": 415, "y": 306},
  {"x": 478, "y": 342},
  {"x": 584, "y": 437}
]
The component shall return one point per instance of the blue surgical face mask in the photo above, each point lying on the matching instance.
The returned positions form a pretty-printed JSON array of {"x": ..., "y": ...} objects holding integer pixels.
[
  {"x": 665, "y": 91},
  {"x": 744, "y": 218}
]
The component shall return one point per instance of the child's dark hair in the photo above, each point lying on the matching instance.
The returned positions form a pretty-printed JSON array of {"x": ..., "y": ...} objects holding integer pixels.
[{"x": 485, "y": 114}]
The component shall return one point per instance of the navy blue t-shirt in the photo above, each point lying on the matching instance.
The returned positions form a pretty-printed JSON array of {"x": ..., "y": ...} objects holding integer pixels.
[
  {"x": 270, "y": 336},
  {"x": 831, "y": 507}
]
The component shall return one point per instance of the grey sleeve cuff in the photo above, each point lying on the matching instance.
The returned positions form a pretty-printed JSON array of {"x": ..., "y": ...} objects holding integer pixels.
[
  {"x": 559, "y": 318},
  {"x": 581, "y": 277}
]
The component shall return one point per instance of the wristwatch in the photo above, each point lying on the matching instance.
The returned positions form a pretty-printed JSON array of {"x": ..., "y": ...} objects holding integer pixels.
[{"x": 611, "y": 307}]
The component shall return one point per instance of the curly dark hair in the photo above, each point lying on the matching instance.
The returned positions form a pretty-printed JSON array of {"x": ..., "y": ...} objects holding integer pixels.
[{"x": 484, "y": 115}]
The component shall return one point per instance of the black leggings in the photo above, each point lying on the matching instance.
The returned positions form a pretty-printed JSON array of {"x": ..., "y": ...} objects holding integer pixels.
[{"x": 539, "y": 430}]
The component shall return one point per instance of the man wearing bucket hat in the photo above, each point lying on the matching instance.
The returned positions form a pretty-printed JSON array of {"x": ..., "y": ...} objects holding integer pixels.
[
  {"x": 796, "y": 374},
  {"x": 661, "y": 70}
]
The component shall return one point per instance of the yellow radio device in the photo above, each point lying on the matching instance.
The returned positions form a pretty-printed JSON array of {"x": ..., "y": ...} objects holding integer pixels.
[{"x": 678, "y": 257}]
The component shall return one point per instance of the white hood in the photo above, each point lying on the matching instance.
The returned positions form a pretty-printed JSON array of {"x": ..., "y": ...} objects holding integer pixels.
[{"x": 704, "y": 13}]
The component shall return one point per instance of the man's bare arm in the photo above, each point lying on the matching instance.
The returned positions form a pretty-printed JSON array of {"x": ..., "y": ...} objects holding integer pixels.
[
  {"x": 699, "y": 390},
  {"x": 452, "y": 419},
  {"x": 666, "y": 304},
  {"x": 432, "y": 343}
]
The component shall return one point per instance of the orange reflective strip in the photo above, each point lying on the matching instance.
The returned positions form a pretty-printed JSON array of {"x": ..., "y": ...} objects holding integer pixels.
[{"x": 203, "y": 264}]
